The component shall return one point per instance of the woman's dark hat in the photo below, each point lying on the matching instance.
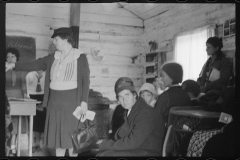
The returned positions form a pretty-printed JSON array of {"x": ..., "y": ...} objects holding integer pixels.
[
  {"x": 63, "y": 30},
  {"x": 174, "y": 71},
  {"x": 124, "y": 83}
]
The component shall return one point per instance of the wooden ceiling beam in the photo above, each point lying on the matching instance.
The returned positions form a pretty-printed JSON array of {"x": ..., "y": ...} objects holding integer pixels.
[{"x": 75, "y": 21}]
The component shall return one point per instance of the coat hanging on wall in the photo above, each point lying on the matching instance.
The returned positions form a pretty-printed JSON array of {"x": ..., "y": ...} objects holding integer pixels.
[{"x": 153, "y": 46}]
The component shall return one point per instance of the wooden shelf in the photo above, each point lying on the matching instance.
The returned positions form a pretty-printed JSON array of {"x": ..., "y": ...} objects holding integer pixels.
[
  {"x": 152, "y": 65},
  {"x": 150, "y": 75},
  {"x": 150, "y": 80}
]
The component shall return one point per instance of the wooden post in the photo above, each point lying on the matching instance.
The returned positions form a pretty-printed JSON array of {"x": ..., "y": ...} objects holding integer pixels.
[{"x": 75, "y": 21}]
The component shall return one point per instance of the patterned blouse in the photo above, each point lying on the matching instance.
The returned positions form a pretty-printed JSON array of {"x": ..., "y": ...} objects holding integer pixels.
[
  {"x": 15, "y": 80},
  {"x": 63, "y": 73},
  {"x": 198, "y": 142}
]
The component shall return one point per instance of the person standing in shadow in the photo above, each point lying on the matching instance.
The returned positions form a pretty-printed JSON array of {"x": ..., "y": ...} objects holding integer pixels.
[
  {"x": 16, "y": 88},
  {"x": 216, "y": 72},
  {"x": 35, "y": 90}
]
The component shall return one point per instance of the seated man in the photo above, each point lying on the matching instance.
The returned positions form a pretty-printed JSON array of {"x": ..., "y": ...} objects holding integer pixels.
[
  {"x": 140, "y": 133},
  {"x": 147, "y": 92}
]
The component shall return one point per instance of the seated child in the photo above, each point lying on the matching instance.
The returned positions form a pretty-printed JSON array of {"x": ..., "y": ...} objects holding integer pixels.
[
  {"x": 148, "y": 93},
  {"x": 159, "y": 86},
  {"x": 193, "y": 90}
]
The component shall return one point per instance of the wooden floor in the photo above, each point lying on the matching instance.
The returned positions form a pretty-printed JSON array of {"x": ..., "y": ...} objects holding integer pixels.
[
  {"x": 50, "y": 151},
  {"x": 24, "y": 148},
  {"x": 46, "y": 152}
]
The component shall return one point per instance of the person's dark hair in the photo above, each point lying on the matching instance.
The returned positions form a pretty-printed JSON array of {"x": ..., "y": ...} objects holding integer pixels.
[
  {"x": 13, "y": 51},
  {"x": 216, "y": 42},
  {"x": 191, "y": 86},
  {"x": 68, "y": 37}
]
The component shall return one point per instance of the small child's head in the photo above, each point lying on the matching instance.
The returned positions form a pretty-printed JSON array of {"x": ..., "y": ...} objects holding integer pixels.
[
  {"x": 159, "y": 86},
  {"x": 191, "y": 87},
  {"x": 147, "y": 92},
  {"x": 171, "y": 73}
]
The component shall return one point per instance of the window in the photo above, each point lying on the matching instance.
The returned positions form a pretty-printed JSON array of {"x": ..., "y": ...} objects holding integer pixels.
[
  {"x": 229, "y": 27},
  {"x": 190, "y": 51}
]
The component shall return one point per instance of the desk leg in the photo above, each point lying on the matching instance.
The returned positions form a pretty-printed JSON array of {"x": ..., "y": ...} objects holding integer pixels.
[
  {"x": 19, "y": 135},
  {"x": 30, "y": 137}
]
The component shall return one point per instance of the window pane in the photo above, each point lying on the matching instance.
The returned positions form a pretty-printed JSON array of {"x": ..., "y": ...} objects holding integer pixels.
[{"x": 190, "y": 52}]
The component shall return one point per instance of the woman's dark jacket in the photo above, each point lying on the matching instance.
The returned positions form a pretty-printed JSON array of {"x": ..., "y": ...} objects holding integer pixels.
[
  {"x": 222, "y": 64},
  {"x": 173, "y": 97}
]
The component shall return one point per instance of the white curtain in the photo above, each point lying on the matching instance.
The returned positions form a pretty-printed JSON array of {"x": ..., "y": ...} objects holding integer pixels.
[{"x": 190, "y": 51}]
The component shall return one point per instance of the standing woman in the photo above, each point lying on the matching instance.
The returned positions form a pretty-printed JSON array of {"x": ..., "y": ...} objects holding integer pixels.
[
  {"x": 15, "y": 87},
  {"x": 217, "y": 64},
  {"x": 66, "y": 88}
]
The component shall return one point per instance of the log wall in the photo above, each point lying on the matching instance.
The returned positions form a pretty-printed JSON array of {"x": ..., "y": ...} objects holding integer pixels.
[
  {"x": 164, "y": 27},
  {"x": 109, "y": 35}
]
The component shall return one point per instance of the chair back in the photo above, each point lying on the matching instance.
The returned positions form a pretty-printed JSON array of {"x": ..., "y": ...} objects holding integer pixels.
[{"x": 166, "y": 141}]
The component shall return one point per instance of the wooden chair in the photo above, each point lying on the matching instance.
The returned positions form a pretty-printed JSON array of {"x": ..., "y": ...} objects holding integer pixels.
[{"x": 166, "y": 140}]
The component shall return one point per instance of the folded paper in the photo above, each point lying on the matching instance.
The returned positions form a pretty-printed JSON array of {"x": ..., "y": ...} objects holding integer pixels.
[
  {"x": 89, "y": 114},
  {"x": 215, "y": 75}
]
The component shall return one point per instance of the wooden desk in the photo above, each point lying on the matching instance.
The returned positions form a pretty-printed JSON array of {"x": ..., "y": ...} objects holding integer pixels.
[
  {"x": 192, "y": 112},
  {"x": 195, "y": 111},
  {"x": 24, "y": 108},
  {"x": 187, "y": 120}
]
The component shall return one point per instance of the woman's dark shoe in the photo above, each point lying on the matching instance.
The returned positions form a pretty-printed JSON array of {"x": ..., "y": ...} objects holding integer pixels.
[
  {"x": 36, "y": 149},
  {"x": 39, "y": 149},
  {"x": 33, "y": 149},
  {"x": 13, "y": 152}
]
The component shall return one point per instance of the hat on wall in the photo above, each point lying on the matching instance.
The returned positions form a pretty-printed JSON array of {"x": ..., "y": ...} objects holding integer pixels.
[
  {"x": 174, "y": 71},
  {"x": 124, "y": 83},
  {"x": 148, "y": 87},
  {"x": 63, "y": 30}
]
